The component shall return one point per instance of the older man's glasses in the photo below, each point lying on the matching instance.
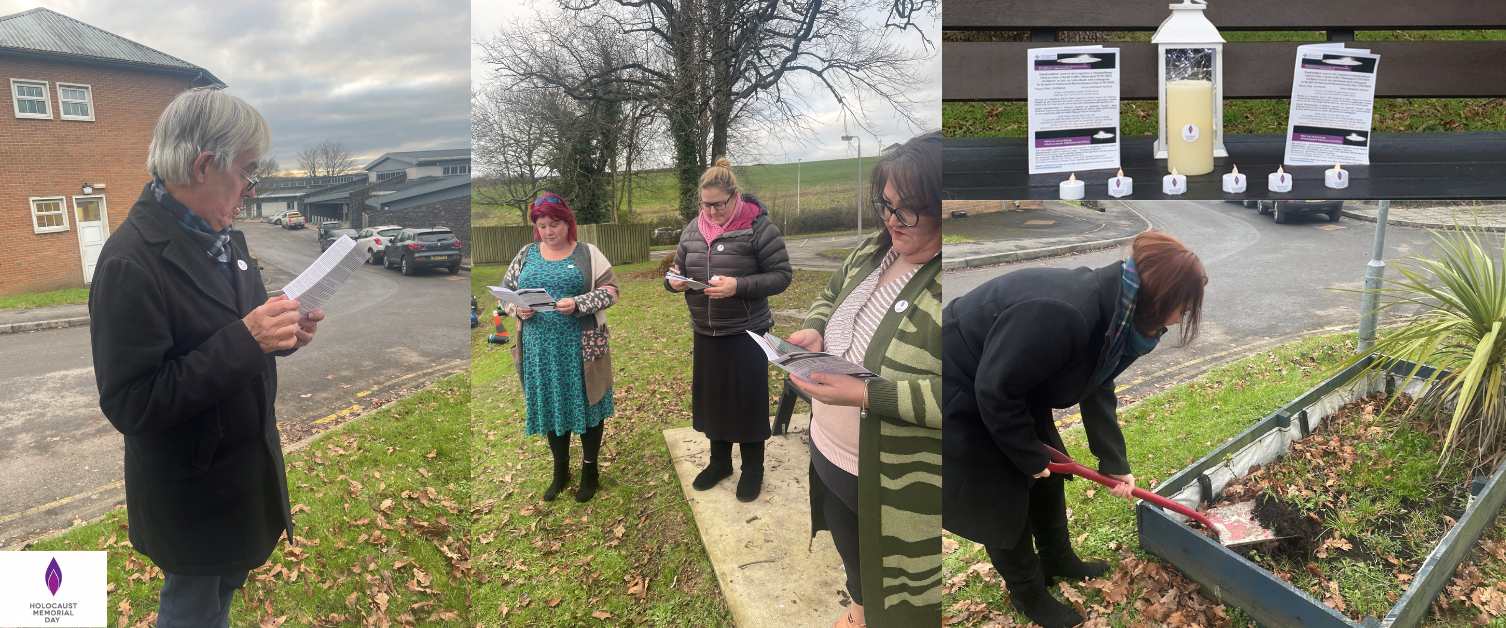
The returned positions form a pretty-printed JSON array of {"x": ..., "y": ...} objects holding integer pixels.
[
  {"x": 250, "y": 180},
  {"x": 907, "y": 217}
]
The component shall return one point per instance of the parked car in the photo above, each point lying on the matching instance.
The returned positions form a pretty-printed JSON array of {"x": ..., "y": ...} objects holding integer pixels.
[
  {"x": 293, "y": 220},
  {"x": 275, "y": 219},
  {"x": 374, "y": 240},
  {"x": 412, "y": 249},
  {"x": 1284, "y": 210},
  {"x": 327, "y": 238}
]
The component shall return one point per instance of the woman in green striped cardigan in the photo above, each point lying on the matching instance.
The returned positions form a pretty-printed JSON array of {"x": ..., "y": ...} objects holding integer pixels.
[{"x": 875, "y": 471}]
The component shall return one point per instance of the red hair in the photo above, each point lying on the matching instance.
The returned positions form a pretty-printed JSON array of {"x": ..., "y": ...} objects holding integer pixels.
[
  {"x": 553, "y": 207},
  {"x": 1171, "y": 277}
]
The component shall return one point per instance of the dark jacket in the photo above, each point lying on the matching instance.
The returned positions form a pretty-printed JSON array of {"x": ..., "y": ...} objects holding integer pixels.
[
  {"x": 1014, "y": 349},
  {"x": 183, "y": 379},
  {"x": 755, "y": 256}
]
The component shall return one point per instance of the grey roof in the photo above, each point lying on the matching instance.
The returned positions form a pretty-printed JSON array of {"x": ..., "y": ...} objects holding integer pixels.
[
  {"x": 421, "y": 157},
  {"x": 45, "y": 31},
  {"x": 418, "y": 187}
]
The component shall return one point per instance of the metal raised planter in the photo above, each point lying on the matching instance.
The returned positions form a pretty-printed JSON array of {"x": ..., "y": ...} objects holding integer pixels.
[{"x": 1229, "y": 578}]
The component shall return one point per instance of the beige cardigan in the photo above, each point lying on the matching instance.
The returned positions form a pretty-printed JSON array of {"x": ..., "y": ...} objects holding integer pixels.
[{"x": 590, "y": 308}]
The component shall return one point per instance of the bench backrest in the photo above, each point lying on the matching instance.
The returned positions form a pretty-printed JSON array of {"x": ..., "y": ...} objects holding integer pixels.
[{"x": 1409, "y": 69}]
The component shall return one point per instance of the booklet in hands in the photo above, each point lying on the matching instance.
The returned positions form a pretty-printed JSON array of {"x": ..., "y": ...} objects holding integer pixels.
[
  {"x": 696, "y": 285},
  {"x": 536, "y": 299},
  {"x": 803, "y": 364}
]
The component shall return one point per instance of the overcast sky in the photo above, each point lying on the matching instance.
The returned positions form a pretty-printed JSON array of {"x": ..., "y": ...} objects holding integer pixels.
[
  {"x": 486, "y": 17},
  {"x": 378, "y": 75}
]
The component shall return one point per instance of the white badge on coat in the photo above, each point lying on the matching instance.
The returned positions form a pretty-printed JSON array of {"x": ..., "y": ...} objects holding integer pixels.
[
  {"x": 572, "y": 265},
  {"x": 901, "y": 305},
  {"x": 718, "y": 247},
  {"x": 241, "y": 263}
]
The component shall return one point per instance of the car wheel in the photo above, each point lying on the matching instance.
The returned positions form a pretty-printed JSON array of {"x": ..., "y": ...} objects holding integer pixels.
[
  {"x": 1333, "y": 216},
  {"x": 1251, "y": 204},
  {"x": 454, "y": 268},
  {"x": 1282, "y": 217},
  {"x": 407, "y": 268},
  {"x": 1261, "y": 208},
  {"x": 376, "y": 258}
]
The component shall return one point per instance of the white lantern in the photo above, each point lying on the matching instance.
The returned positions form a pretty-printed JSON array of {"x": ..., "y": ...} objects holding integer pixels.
[{"x": 1191, "y": 68}]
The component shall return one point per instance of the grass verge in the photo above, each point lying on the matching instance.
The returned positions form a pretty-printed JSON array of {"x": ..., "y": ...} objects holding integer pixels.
[
  {"x": 379, "y": 534},
  {"x": 67, "y": 296},
  {"x": 632, "y": 556}
]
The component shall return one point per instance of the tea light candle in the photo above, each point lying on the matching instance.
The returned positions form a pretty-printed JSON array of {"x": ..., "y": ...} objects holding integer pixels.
[
  {"x": 1121, "y": 185},
  {"x": 1336, "y": 178},
  {"x": 1280, "y": 181},
  {"x": 1234, "y": 183},
  {"x": 1072, "y": 189},
  {"x": 1174, "y": 183},
  {"x": 1189, "y": 126}
]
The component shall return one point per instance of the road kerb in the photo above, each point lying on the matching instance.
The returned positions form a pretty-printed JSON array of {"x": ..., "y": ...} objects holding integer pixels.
[{"x": 12, "y": 328}]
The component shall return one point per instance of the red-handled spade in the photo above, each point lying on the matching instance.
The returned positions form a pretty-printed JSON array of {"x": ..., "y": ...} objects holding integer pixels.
[{"x": 1235, "y": 526}]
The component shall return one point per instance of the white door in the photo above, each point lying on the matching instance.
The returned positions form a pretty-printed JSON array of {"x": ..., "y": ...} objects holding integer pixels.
[{"x": 93, "y": 227}]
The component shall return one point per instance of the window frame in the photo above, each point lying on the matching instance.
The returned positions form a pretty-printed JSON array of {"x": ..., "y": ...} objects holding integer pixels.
[
  {"x": 15, "y": 101},
  {"x": 88, "y": 101},
  {"x": 465, "y": 167},
  {"x": 63, "y": 210}
]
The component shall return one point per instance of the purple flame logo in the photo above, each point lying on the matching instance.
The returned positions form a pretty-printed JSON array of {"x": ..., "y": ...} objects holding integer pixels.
[
  {"x": 54, "y": 576},
  {"x": 1283, "y": 178}
]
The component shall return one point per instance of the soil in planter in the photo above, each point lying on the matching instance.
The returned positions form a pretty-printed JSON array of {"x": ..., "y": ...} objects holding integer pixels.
[{"x": 1364, "y": 503}]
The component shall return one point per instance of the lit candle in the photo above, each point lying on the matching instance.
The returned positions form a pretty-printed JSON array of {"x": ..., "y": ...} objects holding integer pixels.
[
  {"x": 1280, "y": 181},
  {"x": 1335, "y": 178},
  {"x": 1174, "y": 183},
  {"x": 1072, "y": 189},
  {"x": 1234, "y": 183},
  {"x": 1121, "y": 185},
  {"x": 1189, "y": 126}
]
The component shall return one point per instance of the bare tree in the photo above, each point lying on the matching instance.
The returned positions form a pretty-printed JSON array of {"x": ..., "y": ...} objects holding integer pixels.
[
  {"x": 328, "y": 158},
  {"x": 308, "y": 161},
  {"x": 267, "y": 167}
]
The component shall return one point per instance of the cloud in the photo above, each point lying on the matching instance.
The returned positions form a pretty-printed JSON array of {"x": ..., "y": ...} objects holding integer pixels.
[{"x": 378, "y": 75}]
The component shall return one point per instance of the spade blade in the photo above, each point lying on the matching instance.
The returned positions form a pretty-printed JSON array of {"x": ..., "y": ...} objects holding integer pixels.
[{"x": 1236, "y": 524}]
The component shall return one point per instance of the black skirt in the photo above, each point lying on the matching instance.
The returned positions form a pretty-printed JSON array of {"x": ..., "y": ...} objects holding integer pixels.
[{"x": 729, "y": 395}]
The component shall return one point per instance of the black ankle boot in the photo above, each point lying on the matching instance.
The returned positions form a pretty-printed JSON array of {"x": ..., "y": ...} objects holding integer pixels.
[
  {"x": 559, "y": 447},
  {"x": 719, "y": 469},
  {"x": 588, "y": 482},
  {"x": 1022, "y": 575},
  {"x": 750, "y": 484}
]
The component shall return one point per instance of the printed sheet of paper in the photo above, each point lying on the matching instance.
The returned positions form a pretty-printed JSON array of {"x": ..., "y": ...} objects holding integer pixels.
[
  {"x": 313, "y": 287},
  {"x": 802, "y": 364},
  {"x": 1074, "y": 109},
  {"x": 691, "y": 282},
  {"x": 1333, "y": 97},
  {"x": 536, "y": 299}
]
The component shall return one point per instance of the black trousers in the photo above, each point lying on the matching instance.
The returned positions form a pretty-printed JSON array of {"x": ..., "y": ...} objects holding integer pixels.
[
  {"x": 1020, "y": 564},
  {"x": 841, "y": 517}
]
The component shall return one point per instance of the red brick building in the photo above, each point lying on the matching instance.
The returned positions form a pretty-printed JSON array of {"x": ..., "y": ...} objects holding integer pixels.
[{"x": 75, "y": 124}]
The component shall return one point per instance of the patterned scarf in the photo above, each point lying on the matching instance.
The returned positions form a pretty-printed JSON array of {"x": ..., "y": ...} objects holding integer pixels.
[
  {"x": 1124, "y": 341},
  {"x": 215, "y": 243}
]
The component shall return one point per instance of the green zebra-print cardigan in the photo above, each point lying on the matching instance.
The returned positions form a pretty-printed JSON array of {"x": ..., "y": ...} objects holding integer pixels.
[{"x": 899, "y": 446}]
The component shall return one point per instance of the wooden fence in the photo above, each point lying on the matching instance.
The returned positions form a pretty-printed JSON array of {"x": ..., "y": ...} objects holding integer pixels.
[{"x": 622, "y": 244}]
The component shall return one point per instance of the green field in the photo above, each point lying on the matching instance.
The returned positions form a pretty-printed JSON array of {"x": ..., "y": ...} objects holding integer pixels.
[
  {"x": 1392, "y": 115},
  {"x": 823, "y": 184}
]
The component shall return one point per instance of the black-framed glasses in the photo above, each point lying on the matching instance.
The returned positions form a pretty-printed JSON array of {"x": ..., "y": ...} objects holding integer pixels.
[
  {"x": 716, "y": 207},
  {"x": 251, "y": 181},
  {"x": 907, "y": 217}
]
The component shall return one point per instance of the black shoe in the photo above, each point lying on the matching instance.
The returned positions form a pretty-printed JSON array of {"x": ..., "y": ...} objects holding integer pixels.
[
  {"x": 712, "y": 475},
  {"x": 561, "y": 480},
  {"x": 1075, "y": 569},
  {"x": 1046, "y": 611},
  {"x": 588, "y": 482},
  {"x": 749, "y": 485}
]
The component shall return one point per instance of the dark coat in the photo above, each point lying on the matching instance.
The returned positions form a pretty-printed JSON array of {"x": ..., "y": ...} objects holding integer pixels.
[
  {"x": 183, "y": 379},
  {"x": 755, "y": 256},
  {"x": 1014, "y": 349}
]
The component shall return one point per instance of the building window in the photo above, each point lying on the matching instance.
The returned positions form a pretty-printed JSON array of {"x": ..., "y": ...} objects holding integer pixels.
[
  {"x": 30, "y": 98},
  {"x": 454, "y": 170},
  {"x": 383, "y": 176},
  {"x": 48, "y": 216},
  {"x": 76, "y": 102}
]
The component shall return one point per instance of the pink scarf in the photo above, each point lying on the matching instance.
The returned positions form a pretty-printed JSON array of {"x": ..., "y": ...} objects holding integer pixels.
[{"x": 742, "y": 218}]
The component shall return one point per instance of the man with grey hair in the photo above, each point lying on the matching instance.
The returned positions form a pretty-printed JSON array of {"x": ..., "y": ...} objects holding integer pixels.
[{"x": 185, "y": 344}]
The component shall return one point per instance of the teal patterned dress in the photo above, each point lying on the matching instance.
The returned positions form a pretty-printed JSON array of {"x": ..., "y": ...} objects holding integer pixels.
[{"x": 554, "y": 378}]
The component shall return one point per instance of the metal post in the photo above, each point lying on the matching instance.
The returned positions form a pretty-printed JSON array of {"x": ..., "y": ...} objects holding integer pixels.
[
  {"x": 1374, "y": 274},
  {"x": 849, "y": 138},
  {"x": 797, "y": 188}
]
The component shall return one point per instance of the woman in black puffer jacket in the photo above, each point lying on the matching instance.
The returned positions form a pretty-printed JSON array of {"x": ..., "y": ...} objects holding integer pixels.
[{"x": 734, "y": 247}]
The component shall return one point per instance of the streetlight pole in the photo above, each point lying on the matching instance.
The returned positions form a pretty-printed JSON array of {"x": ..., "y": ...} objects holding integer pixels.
[
  {"x": 859, "y": 186},
  {"x": 797, "y": 188},
  {"x": 1374, "y": 274}
]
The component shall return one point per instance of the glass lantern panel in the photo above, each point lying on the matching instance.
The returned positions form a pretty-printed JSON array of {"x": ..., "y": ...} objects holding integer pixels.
[{"x": 1190, "y": 64}]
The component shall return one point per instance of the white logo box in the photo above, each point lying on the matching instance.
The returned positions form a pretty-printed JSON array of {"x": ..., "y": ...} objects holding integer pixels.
[{"x": 26, "y": 601}]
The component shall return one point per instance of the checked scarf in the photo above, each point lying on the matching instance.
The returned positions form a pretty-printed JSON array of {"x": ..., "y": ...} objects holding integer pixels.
[
  {"x": 215, "y": 243},
  {"x": 1124, "y": 341}
]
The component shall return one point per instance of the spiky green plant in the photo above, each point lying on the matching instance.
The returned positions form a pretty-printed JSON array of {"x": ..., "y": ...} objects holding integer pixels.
[{"x": 1462, "y": 292}]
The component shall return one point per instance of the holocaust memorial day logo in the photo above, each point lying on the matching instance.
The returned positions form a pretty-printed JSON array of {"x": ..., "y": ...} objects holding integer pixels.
[
  {"x": 50, "y": 610},
  {"x": 53, "y": 588}
]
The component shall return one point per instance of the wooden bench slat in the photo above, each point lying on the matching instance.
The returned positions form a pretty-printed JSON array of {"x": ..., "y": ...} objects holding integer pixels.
[
  {"x": 1424, "y": 166},
  {"x": 1408, "y": 69},
  {"x": 1301, "y": 15}
]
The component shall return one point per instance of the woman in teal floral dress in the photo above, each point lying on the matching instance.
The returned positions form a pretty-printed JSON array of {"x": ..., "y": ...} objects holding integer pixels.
[{"x": 562, "y": 354}]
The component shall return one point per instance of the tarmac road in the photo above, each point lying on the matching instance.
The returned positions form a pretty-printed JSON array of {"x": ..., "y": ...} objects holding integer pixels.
[
  {"x": 1268, "y": 284},
  {"x": 385, "y": 333}
]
